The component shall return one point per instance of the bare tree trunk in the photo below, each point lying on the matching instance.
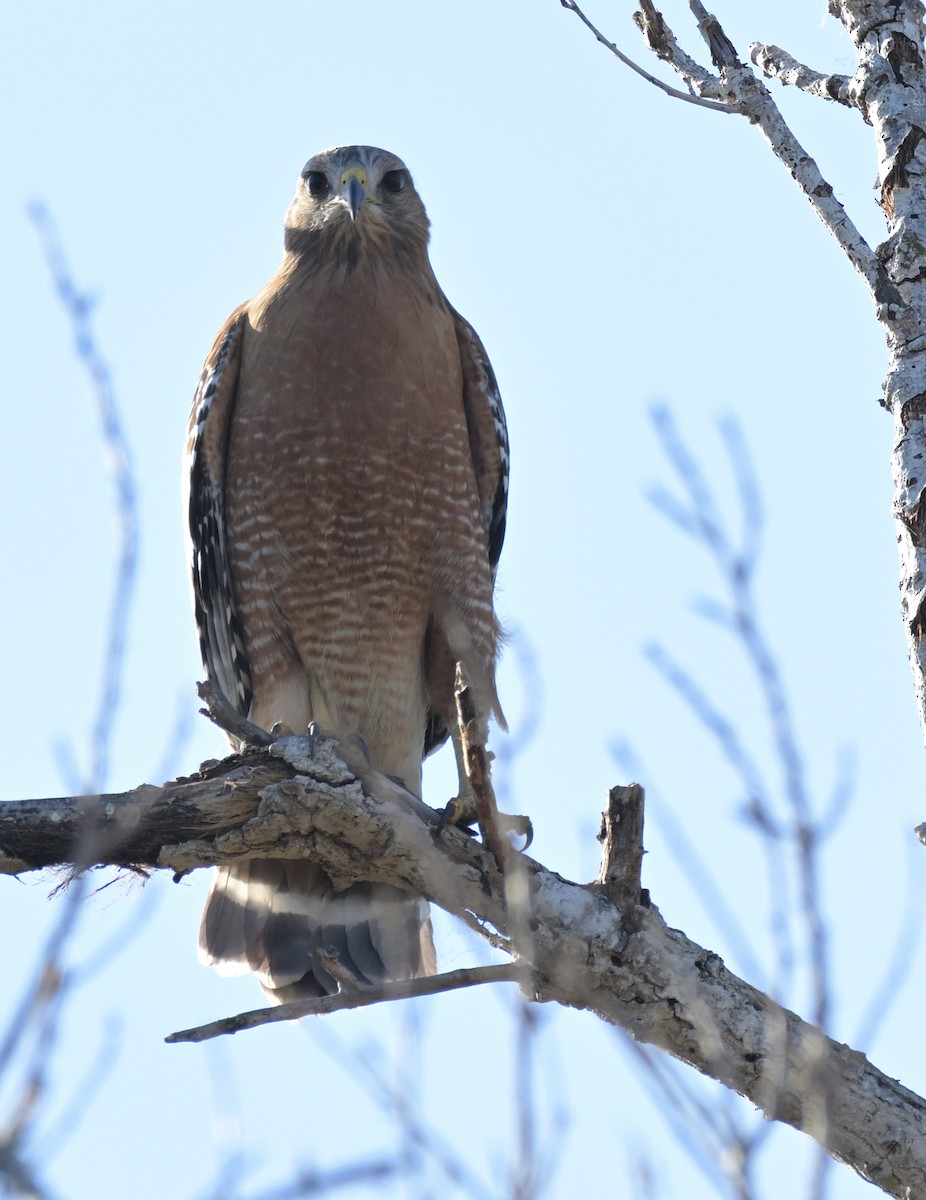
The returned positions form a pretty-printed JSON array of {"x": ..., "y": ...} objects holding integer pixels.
[{"x": 890, "y": 93}]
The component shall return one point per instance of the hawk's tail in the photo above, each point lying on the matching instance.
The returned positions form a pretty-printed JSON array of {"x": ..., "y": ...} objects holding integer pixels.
[{"x": 274, "y": 916}]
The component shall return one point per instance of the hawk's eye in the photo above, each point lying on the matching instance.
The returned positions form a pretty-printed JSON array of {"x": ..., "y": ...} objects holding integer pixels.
[
  {"x": 317, "y": 183},
  {"x": 394, "y": 181}
]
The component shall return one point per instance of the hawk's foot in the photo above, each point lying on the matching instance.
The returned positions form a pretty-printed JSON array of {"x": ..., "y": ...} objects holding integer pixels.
[
  {"x": 460, "y": 811},
  {"x": 313, "y": 732}
]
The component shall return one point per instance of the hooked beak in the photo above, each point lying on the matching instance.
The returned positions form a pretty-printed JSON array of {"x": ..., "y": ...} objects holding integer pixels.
[{"x": 354, "y": 190}]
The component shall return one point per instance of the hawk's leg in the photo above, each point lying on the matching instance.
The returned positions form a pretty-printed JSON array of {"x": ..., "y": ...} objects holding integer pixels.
[
  {"x": 467, "y": 808},
  {"x": 461, "y": 810}
]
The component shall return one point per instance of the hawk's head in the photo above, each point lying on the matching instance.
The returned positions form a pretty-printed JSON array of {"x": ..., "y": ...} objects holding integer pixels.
[{"x": 353, "y": 199}]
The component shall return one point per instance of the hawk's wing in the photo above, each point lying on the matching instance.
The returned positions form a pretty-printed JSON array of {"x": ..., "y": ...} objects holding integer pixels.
[
  {"x": 221, "y": 640},
  {"x": 488, "y": 434},
  {"x": 488, "y": 446}
]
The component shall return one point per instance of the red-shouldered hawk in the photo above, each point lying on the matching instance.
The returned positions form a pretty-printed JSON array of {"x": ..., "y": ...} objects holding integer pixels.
[{"x": 348, "y": 483}]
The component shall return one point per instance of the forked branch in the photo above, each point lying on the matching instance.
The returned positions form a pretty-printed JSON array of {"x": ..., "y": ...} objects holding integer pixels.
[
  {"x": 735, "y": 87},
  {"x": 574, "y": 944}
]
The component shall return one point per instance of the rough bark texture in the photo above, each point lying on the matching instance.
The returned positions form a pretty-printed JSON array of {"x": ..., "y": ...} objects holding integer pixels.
[
  {"x": 891, "y": 95},
  {"x": 131, "y": 827},
  {"x": 621, "y": 837},
  {"x": 649, "y": 979}
]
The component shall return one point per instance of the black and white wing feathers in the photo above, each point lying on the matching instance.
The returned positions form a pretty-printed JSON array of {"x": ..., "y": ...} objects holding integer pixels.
[{"x": 221, "y": 638}]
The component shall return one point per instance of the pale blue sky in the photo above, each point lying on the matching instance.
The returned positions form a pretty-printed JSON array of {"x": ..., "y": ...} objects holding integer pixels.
[{"x": 613, "y": 248}]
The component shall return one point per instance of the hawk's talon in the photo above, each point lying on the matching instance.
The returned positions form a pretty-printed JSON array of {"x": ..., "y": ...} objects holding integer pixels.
[
  {"x": 458, "y": 814},
  {"x": 517, "y": 826},
  {"x": 298, "y": 749}
]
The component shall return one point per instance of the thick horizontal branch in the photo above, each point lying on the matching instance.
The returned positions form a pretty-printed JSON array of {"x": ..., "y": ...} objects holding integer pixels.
[
  {"x": 132, "y": 827},
  {"x": 573, "y": 944}
]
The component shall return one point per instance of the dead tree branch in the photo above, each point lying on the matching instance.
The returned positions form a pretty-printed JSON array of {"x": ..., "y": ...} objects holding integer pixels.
[
  {"x": 748, "y": 95},
  {"x": 775, "y": 63},
  {"x": 888, "y": 90},
  {"x": 353, "y": 997},
  {"x": 578, "y": 950},
  {"x": 689, "y": 97}
]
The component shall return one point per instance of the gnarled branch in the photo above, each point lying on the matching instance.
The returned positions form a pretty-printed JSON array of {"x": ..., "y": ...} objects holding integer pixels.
[{"x": 574, "y": 945}]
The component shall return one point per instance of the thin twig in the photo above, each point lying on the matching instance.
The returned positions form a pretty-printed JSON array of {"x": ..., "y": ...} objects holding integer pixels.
[
  {"x": 694, "y": 1122},
  {"x": 520, "y": 735},
  {"x": 84, "y": 1090},
  {"x": 47, "y": 981},
  {"x": 804, "y": 829},
  {"x": 399, "y": 1104},
  {"x": 751, "y": 98},
  {"x": 323, "y": 1183},
  {"x": 903, "y": 957},
  {"x": 37, "y": 1018},
  {"x": 177, "y": 739},
  {"x": 688, "y": 97},
  {"x": 408, "y": 1077},
  {"x": 18, "y": 1175},
  {"x": 79, "y": 307},
  {"x": 525, "y": 1174},
  {"x": 801, "y": 830},
  {"x": 405, "y": 989},
  {"x": 472, "y": 922},
  {"x": 220, "y": 712}
]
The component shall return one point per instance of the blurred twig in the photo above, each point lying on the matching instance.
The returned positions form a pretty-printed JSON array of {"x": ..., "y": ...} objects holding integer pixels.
[
  {"x": 79, "y": 307},
  {"x": 27, "y": 1047},
  {"x": 527, "y": 1175},
  {"x": 790, "y": 827},
  {"x": 736, "y": 564},
  {"x": 401, "y": 1106},
  {"x": 323, "y": 1183},
  {"x": 30, "y": 1039},
  {"x": 903, "y": 954},
  {"x": 688, "y": 858},
  {"x": 525, "y": 728},
  {"x": 706, "y": 1130}
]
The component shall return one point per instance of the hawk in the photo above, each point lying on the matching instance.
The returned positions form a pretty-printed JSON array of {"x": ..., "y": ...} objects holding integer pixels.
[{"x": 348, "y": 481}]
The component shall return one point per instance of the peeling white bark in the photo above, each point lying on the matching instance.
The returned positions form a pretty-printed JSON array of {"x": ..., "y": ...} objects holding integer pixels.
[
  {"x": 892, "y": 97},
  {"x": 888, "y": 90}
]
